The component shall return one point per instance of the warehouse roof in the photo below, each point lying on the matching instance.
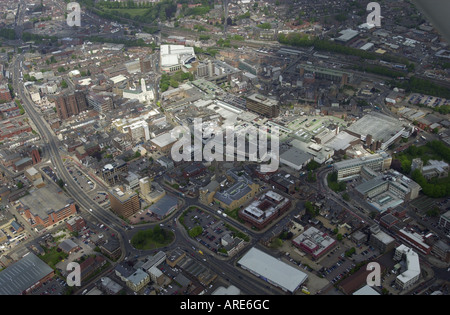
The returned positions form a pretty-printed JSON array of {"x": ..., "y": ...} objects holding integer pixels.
[
  {"x": 272, "y": 269},
  {"x": 21, "y": 275},
  {"x": 370, "y": 125}
]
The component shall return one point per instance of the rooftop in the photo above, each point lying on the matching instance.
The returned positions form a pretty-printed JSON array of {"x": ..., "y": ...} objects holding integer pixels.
[
  {"x": 21, "y": 275},
  {"x": 263, "y": 99},
  {"x": 412, "y": 263},
  {"x": 370, "y": 125},
  {"x": 44, "y": 201},
  {"x": 122, "y": 196},
  {"x": 272, "y": 269}
]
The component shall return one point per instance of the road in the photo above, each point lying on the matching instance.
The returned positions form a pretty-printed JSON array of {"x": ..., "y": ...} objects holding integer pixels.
[{"x": 52, "y": 144}]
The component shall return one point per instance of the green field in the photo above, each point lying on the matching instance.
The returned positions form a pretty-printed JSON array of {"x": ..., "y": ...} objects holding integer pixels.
[
  {"x": 152, "y": 238},
  {"x": 52, "y": 256},
  {"x": 131, "y": 12}
]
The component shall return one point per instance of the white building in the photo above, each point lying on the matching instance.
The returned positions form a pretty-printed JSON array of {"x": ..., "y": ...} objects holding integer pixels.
[
  {"x": 142, "y": 94},
  {"x": 412, "y": 273},
  {"x": 173, "y": 57},
  {"x": 350, "y": 169},
  {"x": 272, "y": 270}
]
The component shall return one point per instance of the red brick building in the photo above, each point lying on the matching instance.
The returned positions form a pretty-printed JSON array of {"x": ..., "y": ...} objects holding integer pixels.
[
  {"x": 265, "y": 209},
  {"x": 46, "y": 206},
  {"x": 5, "y": 94},
  {"x": 12, "y": 127},
  {"x": 70, "y": 105},
  {"x": 76, "y": 224}
]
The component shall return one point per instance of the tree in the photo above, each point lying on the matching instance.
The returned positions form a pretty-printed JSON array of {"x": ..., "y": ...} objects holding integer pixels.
[
  {"x": 60, "y": 183},
  {"x": 195, "y": 231},
  {"x": 346, "y": 197},
  {"x": 64, "y": 84}
]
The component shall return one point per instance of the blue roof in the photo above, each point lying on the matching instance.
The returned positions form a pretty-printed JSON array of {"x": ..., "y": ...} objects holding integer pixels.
[{"x": 163, "y": 206}]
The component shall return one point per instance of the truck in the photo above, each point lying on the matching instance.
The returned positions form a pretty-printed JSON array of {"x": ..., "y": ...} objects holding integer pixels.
[{"x": 305, "y": 290}]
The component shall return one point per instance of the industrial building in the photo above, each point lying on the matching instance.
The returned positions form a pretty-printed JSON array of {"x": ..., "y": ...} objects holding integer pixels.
[
  {"x": 164, "y": 207},
  {"x": 368, "y": 130},
  {"x": 23, "y": 276},
  {"x": 272, "y": 270},
  {"x": 310, "y": 72},
  {"x": 295, "y": 158}
]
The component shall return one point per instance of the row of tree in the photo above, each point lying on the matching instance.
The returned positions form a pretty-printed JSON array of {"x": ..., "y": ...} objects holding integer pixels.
[
  {"x": 423, "y": 86},
  {"x": 434, "y": 188},
  {"x": 302, "y": 40}
]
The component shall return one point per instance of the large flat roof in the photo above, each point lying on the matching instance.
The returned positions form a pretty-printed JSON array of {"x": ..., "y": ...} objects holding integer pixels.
[
  {"x": 44, "y": 201},
  {"x": 263, "y": 99},
  {"x": 21, "y": 275},
  {"x": 295, "y": 156},
  {"x": 358, "y": 161},
  {"x": 164, "y": 205},
  {"x": 381, "y": 127},
  {"x": 164, "y": 139},
  {"x": 272, "y": 269},
  {"x": 412, "y": 263}
]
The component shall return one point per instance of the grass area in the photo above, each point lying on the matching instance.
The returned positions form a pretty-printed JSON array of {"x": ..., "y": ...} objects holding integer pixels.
[
  {"x": 131, "y": 12},
  {"x": 53, "y": 256},
  {"x": 152, "y": 238}
]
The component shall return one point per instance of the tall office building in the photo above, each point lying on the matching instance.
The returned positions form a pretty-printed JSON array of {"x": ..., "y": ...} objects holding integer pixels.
[
  {"x": 124, "y": 204},
  {"x": 263, "y": 105},
  {"x": 145, "y": 185},
  {"x": 68, "y": 105},
  {"x": 101, "y": 103}
]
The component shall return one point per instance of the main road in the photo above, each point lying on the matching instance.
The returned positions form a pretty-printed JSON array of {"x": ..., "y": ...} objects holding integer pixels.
[{"x": 51, "y": 145}]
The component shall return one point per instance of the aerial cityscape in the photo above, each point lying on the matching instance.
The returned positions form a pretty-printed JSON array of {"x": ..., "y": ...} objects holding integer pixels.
[{"x": 201, "y": 148}]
